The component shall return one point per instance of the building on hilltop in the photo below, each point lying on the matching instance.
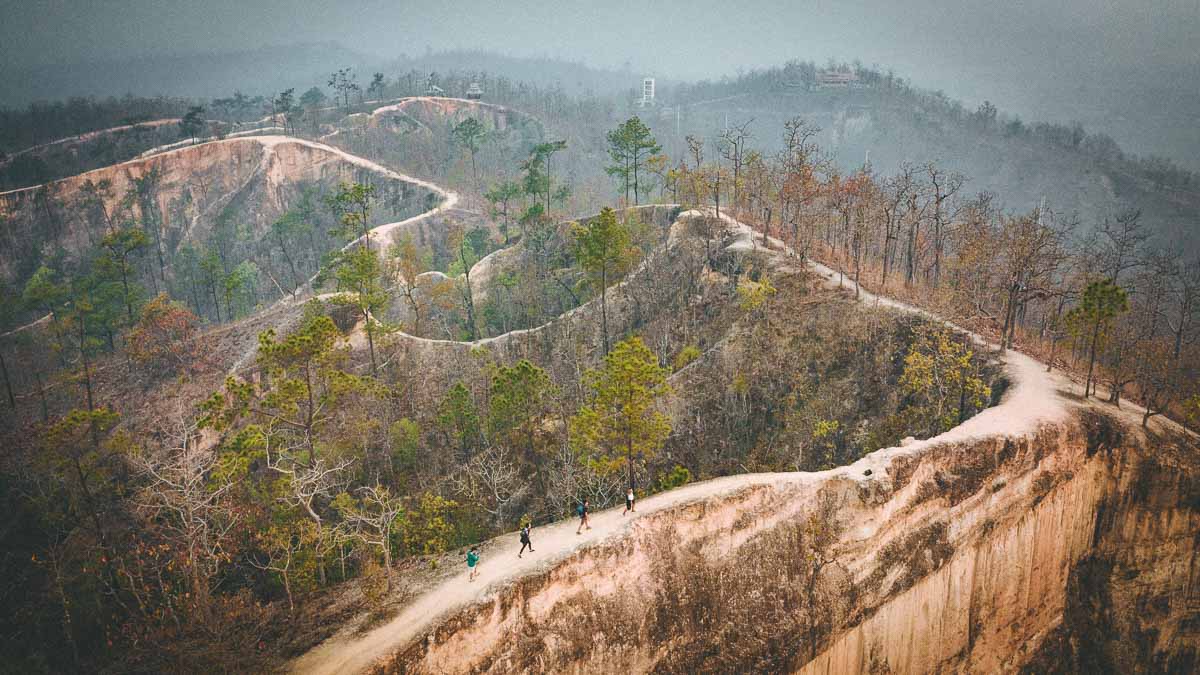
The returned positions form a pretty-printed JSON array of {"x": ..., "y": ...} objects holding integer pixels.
[
  {"x": 431, "y": 88},
  {"x": 647, "y": 99},
  {"x": 474, "y": 92},
  {"x": 837, "y": 79}
]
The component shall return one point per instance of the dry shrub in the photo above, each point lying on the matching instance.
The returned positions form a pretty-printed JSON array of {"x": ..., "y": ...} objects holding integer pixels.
[
  {"x": 770, "y": 607},
  {"x": 916, "y": 554}
]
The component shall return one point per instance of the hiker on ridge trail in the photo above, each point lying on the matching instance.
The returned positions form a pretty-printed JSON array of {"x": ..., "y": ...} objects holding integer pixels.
[
  {"x": 473, "y": 563},
  {"x": 628, "y": 501},
  {"x": 582, "y": 511},
  {"x": 525, "y": 539}
]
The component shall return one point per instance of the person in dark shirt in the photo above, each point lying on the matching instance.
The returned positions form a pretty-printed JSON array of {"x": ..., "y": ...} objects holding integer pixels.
[
  {"x": 525, "y": 539},
  {"x": 582, "y": 511}
]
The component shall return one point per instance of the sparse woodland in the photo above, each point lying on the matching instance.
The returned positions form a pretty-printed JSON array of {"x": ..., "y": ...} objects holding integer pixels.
[{"x": 210, "y": 445}]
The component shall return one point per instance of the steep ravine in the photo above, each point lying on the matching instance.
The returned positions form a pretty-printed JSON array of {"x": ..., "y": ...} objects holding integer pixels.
[
  {"x": 1043, "y": 533},
  {"x": 1069, "y": 547}
]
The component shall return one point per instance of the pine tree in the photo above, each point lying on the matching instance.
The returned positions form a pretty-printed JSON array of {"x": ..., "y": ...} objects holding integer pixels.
[
  {"x": 459, "y": 418},
  {"x": 470, "y": 134},
  {"x": 630, "y": 146},
  {"x": 305, "y": 383},
  {"x": 519, "y": 398},
  {"x": 602, "y": 249},
  {"x": 359, "y": 277},
  {"x": 352, "y": 206},
  {"x": 192, "y": 124},
  {"x": 119, "y": 246},
  {"x": 1102, "y": 301},
  {"x": 621, "y": 416}
]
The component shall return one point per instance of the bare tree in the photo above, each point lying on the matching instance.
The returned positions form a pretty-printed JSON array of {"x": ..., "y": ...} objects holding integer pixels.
[
  {"x": 281, "y": 546},
  {"x": 1122, "y": 244},
  {"x": 895, "y": 195},
  {"x": 569, "y": 479},
  {"x": 944, "y": 186},
  {"x": 370, "y": 521},
  {"x": 309, "y": 483},
  {"x": 914, "y": 214},
  {"x": 1031, "y": 251},
  {"x": 732, "y": 146},
  {"x": 188, "y": 501},
  {"x": 1183, "y": 306},
  {"x": 491, "y": 480}
]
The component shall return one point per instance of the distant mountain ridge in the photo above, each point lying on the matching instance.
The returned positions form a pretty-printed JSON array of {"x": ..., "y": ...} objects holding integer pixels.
[
  {"x": 199, "y": 75},
  {"x": 271, "y": 69}
]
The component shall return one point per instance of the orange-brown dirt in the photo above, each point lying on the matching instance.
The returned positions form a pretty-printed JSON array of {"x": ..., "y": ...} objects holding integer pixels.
[{"x": 1046, "y": 534}]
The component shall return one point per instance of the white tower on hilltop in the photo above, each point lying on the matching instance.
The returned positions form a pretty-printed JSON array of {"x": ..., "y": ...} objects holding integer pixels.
[{"x": 647, "y": 93}]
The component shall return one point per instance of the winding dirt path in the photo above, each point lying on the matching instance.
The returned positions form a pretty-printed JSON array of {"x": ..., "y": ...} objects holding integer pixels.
[{"x": 1031, "y": 401}]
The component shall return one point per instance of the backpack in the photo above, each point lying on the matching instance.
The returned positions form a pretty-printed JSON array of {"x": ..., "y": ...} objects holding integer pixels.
[
  {"x": 579, "y": 510},
  {"x": 524, "y": 535}
]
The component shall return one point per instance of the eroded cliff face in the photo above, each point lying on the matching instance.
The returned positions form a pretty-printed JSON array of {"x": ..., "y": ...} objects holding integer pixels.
[
  {"x": 180, "y": 195},
  {"x": 435, "y": 111},
  {"x": 1068, "y": 549}
]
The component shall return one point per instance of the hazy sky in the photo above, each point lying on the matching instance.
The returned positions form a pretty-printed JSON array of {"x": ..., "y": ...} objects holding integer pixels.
[
  {"x": 1110, "y": 63},
  {"x": 681, "y": 38}
]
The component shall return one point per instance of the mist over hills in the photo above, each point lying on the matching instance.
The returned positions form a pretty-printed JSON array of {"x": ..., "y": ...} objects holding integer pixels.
[
  {"x": 195, "y": 75},
  {"x": 287, "y": 330},
  {"x": 267, "y": 70},
  {"x": 1148, "y": 110}
]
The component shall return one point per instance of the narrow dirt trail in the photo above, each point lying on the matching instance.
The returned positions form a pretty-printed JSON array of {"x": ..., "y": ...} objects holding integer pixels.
[
  {"x": 1031, "y": 401},
  {"x": 1032, "y": 391}
]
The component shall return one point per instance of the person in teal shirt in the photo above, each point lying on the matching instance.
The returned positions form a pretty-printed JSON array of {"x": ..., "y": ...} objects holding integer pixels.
[{"x": 473, "y": 563}]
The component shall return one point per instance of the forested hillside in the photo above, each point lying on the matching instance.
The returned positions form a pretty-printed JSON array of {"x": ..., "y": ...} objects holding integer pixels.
[{"x": 274, "y": 375}]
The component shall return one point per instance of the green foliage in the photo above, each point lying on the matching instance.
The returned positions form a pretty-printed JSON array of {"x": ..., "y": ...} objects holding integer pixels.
[
  {"x": 351, "y": 205},
  {"x": 537, "y": 180},
  {"x": 114, "y": 263},
  {"x": 602, "y": 249},
  {"x": 44, "y": 291},
  {"x": 1092, "y": 318},
  {"x": 941, "y": 378},
  {"x": 630, "y": 145},
  {"x": 359, "y": 276},
  {"x": 459, "y": 418},
  {"x": 469, "y": 246},
  {"x": 73, "y": 451},
  {"x": 312, "y": 98},
  {"x": 678, "y": 477},
  {"x": 292, "y": 226},
  {"x": 1101, "y": 302},
  {"x": 405, "y": 437},
  {"x": 239, "y": 288},
  {"x": 469, "y": 133},
  {"x": 500, "y": 198},
  {"x": 192, "y": 124},
  {"x": 620, "y": 422},
  {"x": 306, "y": 383},
  {"x": 686, "y": 356},
  {"x": 826, "y": 428},
  {"x": 427, "y": 529},
  {"x": 752, "y": 295},
  {"x": 520, "y": 396},
  {"x": 1191, "y": 409}
]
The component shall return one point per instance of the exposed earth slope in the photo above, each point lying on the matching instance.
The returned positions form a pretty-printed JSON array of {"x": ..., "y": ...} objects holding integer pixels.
[
  {"x": 1025, "y": 538},
  {"x": 1045, "y": 533}
]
